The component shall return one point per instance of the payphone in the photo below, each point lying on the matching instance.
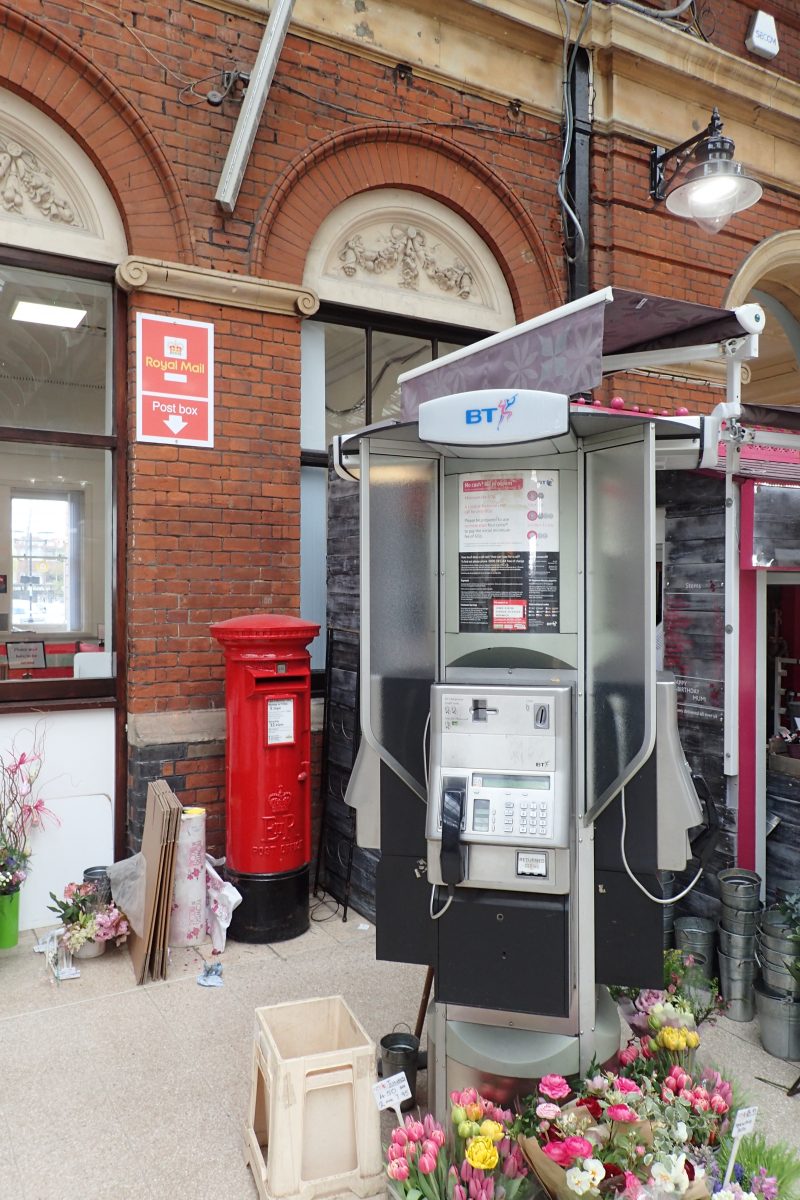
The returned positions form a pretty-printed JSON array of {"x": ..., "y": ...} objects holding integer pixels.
[
  {"x": 500, "y": 794},
  {"x": 531, "y": 783}
]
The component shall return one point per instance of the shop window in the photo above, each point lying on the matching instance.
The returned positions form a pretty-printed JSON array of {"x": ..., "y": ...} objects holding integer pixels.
[
  {"x": 56, "y": 483},
  {"x": 350, "y": 364}
]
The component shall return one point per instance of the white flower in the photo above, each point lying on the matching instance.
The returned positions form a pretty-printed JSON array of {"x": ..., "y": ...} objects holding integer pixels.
[
  {"x": 668, "y": 1174},
  {"x": 578, "y": 1181},
  {"x": 594, "y": 1169},
  {"x": 598, "y": 1085},
  {"x": 681, "y": 1132}
]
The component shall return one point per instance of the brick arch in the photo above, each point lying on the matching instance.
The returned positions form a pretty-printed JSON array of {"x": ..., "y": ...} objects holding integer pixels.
[
  {"x": 376, "y": 157},
  {"x": 55, "y": 77}
]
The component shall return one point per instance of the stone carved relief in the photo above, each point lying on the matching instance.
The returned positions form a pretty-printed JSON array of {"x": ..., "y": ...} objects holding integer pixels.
[
  {"x": 28, "y": 189},
  {"x": 405, "y": 249}
]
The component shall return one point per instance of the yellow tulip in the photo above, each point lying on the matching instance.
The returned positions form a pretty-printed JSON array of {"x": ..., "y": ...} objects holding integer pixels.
[
  {"x": 482, "y": 1153},
  {"x": 493, "y": 1130}
]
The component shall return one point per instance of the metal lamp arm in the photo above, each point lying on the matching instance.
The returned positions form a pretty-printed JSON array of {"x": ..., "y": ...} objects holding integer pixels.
[{"x": 659, "y": 157}]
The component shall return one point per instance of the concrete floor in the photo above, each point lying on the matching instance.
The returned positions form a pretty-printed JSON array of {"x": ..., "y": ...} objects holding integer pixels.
[{"x": 110, "y": 1091}]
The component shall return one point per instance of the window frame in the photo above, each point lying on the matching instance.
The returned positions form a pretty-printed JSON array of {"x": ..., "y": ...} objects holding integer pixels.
[
  {"x": 19, "y": 695},
  {"x": 371, "y": 321}
]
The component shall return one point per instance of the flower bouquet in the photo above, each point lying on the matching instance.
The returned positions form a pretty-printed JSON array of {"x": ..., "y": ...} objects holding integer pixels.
[
  {"x": 687, "y": 998},
  {"x": 85, "y": 920},
  {"x": 621, "y": 1135},
  {"x": 478, "y": 1161}
]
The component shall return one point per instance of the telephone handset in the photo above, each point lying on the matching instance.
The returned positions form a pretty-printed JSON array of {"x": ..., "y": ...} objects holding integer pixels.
[{"x": 453, "y": 856}]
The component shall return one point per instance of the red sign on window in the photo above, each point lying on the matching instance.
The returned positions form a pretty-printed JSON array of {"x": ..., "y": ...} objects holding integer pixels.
[{"x": 174, "y": 380}]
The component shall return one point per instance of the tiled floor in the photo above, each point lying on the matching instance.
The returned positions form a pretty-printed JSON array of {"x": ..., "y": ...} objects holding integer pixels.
[{"x": 110, "y": 1091}]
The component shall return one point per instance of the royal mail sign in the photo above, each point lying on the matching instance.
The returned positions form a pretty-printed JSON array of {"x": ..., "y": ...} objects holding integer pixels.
[{"x": 174, "y": 380}]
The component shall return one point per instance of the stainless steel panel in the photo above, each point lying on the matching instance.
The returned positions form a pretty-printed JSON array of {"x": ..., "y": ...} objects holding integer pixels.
[
  {"x": 399, "y": 597},
  {"x": 620, "y": 613}
]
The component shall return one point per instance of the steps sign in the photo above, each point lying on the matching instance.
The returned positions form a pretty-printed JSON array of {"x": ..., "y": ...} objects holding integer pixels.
[{"x": 174, "y": 380}]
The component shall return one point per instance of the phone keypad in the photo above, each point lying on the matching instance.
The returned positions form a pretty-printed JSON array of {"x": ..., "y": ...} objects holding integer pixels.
[{"x": 517, "y": 815}]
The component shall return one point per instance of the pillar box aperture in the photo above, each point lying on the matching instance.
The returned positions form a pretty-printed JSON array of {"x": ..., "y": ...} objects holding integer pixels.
[{"x": 268, "y": 772}]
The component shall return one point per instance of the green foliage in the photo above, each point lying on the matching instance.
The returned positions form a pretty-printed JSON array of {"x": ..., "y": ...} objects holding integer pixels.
[
  {"x": 777, "y": 1158},
  {"x": 790, "y": 907}
]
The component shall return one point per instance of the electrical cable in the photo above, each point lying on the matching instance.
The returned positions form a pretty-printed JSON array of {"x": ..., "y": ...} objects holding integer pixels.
[
  {"x": 425, "y": 765},
  {"x": 450, "y": 896},
  {"x": 640, "y": 886},
  {"x": 466, "y": 125},
  {"x": 568, "y": 214},
  {"x": 660, "y": 14}
]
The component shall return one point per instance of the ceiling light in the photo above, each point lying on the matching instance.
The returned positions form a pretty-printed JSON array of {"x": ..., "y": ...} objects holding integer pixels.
[
  {"x": 713, "y": 190},
  {"x": 48, "y": 314}
]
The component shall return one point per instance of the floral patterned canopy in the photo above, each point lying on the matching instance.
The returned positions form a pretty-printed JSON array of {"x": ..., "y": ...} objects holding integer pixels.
[{"x": 562, "y": 351}]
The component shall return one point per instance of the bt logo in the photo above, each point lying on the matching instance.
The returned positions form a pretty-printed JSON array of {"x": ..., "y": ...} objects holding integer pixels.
[{"x": 481, "y": 416}]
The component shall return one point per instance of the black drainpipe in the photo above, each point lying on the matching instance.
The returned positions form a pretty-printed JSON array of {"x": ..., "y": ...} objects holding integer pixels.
[{"x": 577, "y": 174}]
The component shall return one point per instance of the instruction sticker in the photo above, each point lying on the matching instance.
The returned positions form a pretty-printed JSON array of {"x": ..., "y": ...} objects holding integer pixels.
[
  {"x": 508, "y": 552},
  {"x": 280, "y": 722}
]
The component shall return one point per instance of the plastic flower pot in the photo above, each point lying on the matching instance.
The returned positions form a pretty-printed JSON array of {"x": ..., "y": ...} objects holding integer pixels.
[{"x": 9, "y": 920}]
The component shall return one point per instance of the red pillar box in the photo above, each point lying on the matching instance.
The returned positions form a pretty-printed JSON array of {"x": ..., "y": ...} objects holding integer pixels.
[{"x": 268, "y": 772}]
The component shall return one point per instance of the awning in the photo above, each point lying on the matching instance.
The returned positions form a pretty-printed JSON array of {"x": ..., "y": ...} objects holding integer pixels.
[{"x": 563, "y": 350}]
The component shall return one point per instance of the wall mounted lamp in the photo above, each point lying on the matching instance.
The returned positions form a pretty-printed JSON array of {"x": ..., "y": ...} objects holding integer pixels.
[{"x": 713, "y": 190}]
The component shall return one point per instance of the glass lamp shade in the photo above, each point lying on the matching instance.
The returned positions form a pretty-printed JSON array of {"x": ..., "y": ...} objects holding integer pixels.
[{"x": 712, "y": 192}]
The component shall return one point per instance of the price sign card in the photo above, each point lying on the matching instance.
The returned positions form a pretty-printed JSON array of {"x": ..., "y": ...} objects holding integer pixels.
[
  {"x": 391, "y": 1092},
  {"x": 745, "y": 1121}
]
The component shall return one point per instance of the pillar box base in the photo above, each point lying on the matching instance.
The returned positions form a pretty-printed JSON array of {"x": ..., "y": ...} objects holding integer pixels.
[{"x": 274, "y": 908}]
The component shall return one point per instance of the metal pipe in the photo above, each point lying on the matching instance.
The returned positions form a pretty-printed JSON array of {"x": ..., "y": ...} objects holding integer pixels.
[{"x": 230, "y": 181}]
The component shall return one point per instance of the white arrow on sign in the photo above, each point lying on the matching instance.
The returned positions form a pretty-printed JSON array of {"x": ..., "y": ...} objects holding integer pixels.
[{"x": 175, "y": 423}]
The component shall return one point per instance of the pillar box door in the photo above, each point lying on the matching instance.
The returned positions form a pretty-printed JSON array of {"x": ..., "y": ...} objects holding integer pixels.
[{"x": 268, "y": 772}]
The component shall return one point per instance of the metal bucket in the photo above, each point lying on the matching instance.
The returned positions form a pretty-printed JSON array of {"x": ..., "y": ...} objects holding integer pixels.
[
  {"x": 773, "y": 924},
  {"x": 774, "y": 958},
  {"x": 789, "y": 947},
  {"x": 736, "y": 976},
  {"x": 739, "y": 920},
  {"x": 99, "y": 877},
  {"x": 779, "y": 1023},
  {"x": 737, "y": 945},
  {"x": 400, "y": 1052},
  {"x": 743, "y": 1008},
  {"x": 695, "y": 935},
  {"x": 778, "y": 979},
  {"x": 740, "y": 889}
]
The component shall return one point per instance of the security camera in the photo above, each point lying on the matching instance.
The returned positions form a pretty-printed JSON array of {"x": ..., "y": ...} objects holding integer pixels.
[{"x": 215, "y": 98}]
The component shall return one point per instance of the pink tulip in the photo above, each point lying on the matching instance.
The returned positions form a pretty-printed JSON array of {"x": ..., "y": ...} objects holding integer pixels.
[
  {"x": 510, "y": 1167},
  {"x": 398, "y": 1169},
  {"x": 628, "y": 1056},
  {"x": 430, "y": 1147},
  {"x": 685, "y": 1095},
  {"x": 415, "y": 1130},
  {"x": 459, "y": 1193},
  {"x": 718, "y": 1105},
  {"x": 426, "y": 1164},
  {"x": 399, "y": 1136},
  {"x": 393, "y": 1152}
]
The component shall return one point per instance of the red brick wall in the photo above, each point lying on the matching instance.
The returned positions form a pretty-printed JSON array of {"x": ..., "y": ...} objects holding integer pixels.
[{"x": 213, "y": 533}]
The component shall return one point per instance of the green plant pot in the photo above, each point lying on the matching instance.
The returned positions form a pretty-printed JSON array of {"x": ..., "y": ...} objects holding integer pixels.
[{"x": 9, "y": 920}]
